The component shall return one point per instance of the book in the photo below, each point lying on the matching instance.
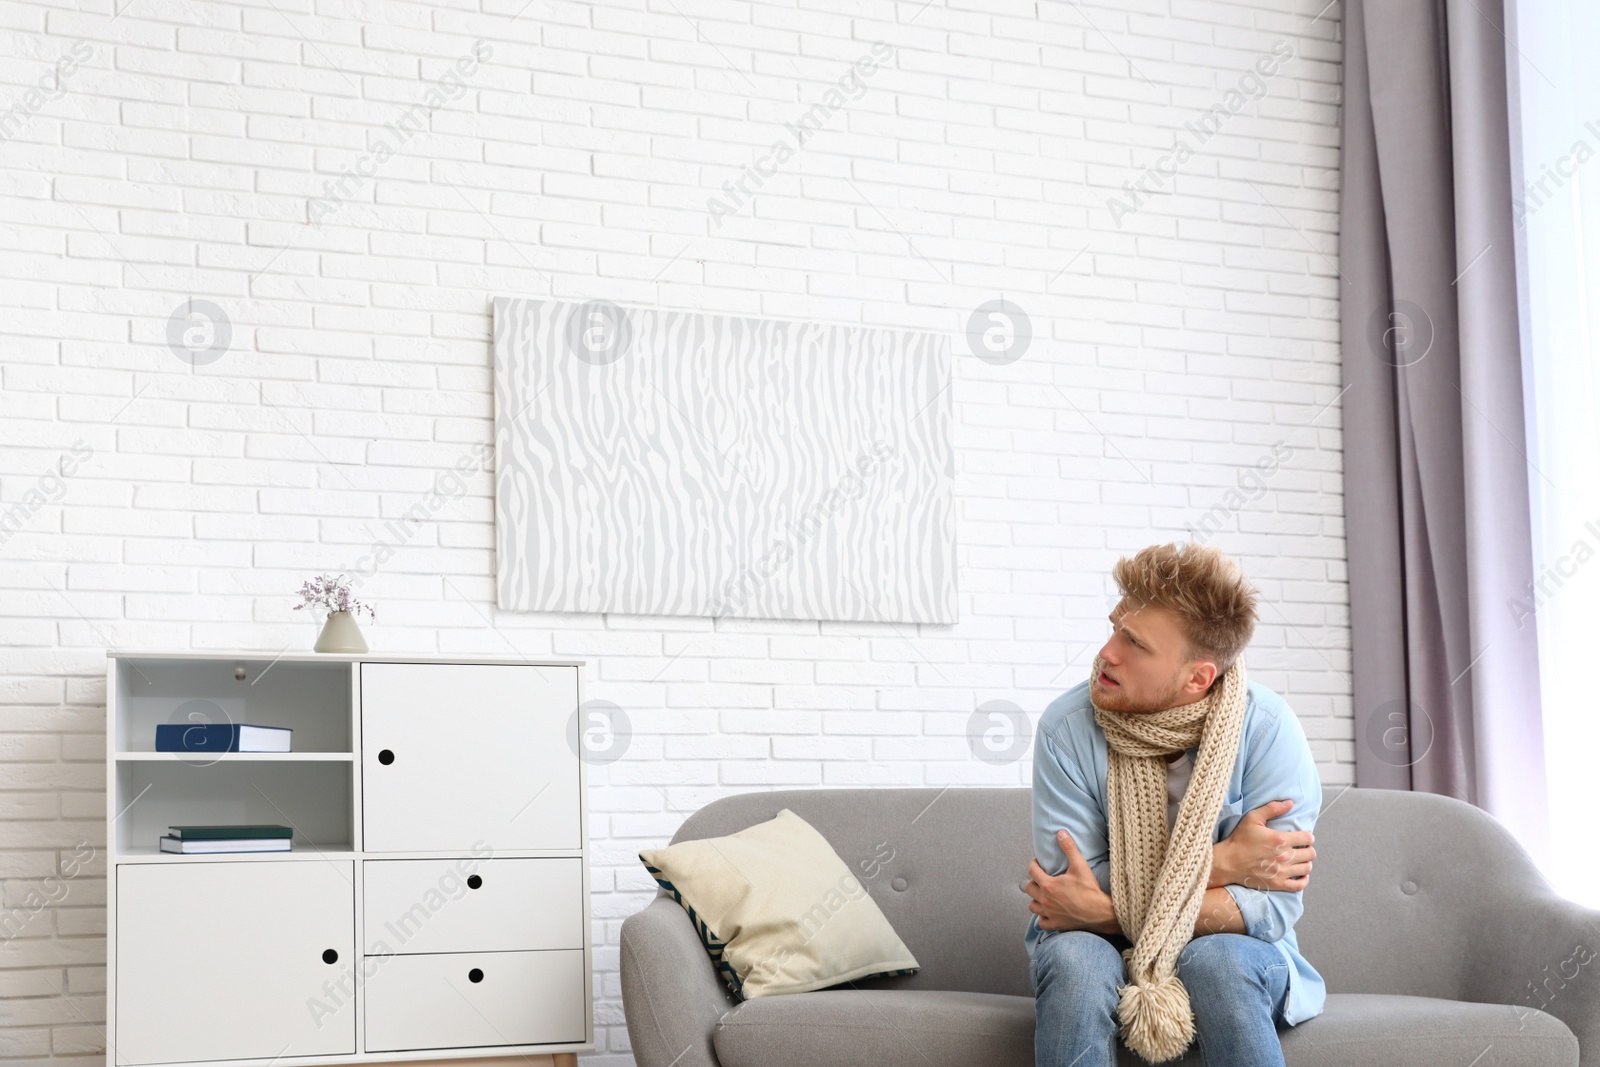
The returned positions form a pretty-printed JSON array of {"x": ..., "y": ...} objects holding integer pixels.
[
  {"x": 229, "y": 833},
  {"x": 245, "y": 844},
  {"x": 221, "y": 737}
]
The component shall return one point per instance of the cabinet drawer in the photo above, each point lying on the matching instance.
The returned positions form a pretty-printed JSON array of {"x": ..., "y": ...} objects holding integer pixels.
[
  {"x": 454, "y": 755},
  {"x": 432, "y": 1001},
  {"x": 472, "y": 905}
]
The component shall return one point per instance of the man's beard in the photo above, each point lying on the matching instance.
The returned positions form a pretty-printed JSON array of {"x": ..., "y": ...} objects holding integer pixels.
[{"x": 1117, "y": 699}]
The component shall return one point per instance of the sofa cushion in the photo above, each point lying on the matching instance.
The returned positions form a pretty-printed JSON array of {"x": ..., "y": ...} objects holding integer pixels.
[
  {"x": 903, "y": 1028},
  {"x": 856, "y": 1027},
  {"x": 778, "y": 910},
  {"x": 1389, "y": 1030}
]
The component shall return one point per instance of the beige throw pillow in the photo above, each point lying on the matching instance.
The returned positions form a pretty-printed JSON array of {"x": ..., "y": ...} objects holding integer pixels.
[{"x": 778, "y": 910}]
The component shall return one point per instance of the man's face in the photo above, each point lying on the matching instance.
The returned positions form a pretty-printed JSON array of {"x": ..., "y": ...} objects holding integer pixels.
[{"x": 1145, "y": 665}]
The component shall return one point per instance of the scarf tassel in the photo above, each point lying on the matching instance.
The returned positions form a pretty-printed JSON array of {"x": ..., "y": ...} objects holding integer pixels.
[{"x": 1157, "y": 1021}]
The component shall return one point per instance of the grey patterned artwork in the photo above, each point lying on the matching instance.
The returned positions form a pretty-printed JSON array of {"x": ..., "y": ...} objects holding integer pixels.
[{"x": 658, "y": 462}]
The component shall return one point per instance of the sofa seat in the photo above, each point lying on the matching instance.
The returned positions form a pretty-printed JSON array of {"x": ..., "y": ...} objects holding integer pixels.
[
  {"x": 854, "y": 1027},
  {"x": 938, "y": 1028}
]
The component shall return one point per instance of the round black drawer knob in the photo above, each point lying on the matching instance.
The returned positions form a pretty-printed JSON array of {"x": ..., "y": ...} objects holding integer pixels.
[
  {"x": 386, "y": 757},
  {"x": 329, "y": 956},
  {"x": 474, "y": 881},
  {"x": 475, "y": 975}
]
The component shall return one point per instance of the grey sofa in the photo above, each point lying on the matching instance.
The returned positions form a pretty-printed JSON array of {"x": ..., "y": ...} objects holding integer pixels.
[{"x": 1441, "y": 944}]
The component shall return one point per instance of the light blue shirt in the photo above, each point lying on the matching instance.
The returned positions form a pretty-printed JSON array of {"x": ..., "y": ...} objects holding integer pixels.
[{"x": 1274, "y": 763}]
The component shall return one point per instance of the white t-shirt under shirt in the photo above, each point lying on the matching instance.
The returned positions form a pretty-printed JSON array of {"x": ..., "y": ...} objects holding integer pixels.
[{"x": 1177, "y": 781}]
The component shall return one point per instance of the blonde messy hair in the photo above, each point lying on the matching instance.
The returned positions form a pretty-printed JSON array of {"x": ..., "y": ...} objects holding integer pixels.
[{"x": 1203, "y": 588}]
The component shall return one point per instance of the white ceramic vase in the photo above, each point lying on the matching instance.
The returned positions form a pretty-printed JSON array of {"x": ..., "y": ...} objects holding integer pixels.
[{"x": 341, "y": 634}]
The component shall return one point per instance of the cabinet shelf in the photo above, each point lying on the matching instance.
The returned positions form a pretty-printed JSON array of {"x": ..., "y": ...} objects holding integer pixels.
[
  {"x": 314, "y": 699},
  {"x": 238, "y": 757},
  {"x": 342, "y": 850}
]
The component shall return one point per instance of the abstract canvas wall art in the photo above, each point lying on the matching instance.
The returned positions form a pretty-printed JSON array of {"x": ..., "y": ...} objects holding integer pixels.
[{"x": 664, "y": 462}]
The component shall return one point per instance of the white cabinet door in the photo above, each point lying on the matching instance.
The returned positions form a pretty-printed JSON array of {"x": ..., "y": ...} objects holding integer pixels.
[
  {"x": 219, "y": 960},
  {"x": 454, "y": 754},
  {"x": 456, "y": 1000},
  {"x": 468, "y": 905}
]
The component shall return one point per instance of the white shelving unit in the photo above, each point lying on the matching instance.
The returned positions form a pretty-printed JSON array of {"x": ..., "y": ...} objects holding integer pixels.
[{"x": 434, "y": 905}]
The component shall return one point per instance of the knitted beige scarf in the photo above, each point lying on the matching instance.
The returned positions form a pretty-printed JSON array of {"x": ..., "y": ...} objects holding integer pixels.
[{"x": 1157, "y": 886}]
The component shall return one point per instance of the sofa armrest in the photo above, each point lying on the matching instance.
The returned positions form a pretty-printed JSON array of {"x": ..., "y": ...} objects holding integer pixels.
[
  {"x": 1540, "y": 952},
  {"x": 671, "y": 995}
]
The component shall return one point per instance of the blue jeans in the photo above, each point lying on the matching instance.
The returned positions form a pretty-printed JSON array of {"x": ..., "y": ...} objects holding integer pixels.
[{"x": 1237, "y": 987}]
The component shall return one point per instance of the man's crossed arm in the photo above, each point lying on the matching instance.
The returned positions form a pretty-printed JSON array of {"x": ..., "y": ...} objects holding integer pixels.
[{"x": 1254, "y": 855}]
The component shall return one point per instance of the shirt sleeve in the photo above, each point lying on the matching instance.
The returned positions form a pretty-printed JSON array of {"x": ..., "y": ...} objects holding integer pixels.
[
  {"x": 1281, "y": 769},
  {"x": 1064, "y": 800}
]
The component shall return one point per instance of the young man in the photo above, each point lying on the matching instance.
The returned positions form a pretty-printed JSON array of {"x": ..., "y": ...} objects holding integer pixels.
[{"x": 1173, "y": 802}]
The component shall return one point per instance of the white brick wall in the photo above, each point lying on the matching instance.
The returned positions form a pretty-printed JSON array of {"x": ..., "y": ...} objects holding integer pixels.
[{"x": 176, "y": 152}]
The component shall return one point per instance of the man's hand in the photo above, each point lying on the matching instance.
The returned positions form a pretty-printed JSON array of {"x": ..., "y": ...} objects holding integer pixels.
[
  {"x": 1258, "y": 857},
  {"x": 1073, "y": 899}
]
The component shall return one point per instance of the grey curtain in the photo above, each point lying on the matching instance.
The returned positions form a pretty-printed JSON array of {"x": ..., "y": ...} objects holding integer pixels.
[{"x": 1436, "y": 471}]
